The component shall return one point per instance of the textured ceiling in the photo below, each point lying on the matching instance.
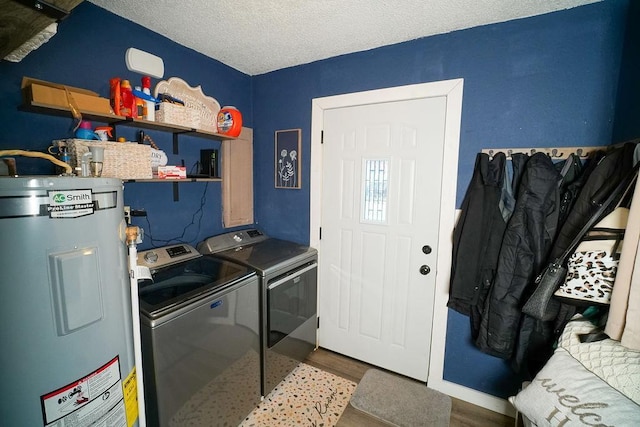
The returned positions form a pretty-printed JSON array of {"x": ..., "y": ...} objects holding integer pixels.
[{"x": 258, "y": 36}]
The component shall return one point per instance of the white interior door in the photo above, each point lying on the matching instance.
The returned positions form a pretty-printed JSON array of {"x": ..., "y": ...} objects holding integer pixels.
[{"x": 380, "y": 214}]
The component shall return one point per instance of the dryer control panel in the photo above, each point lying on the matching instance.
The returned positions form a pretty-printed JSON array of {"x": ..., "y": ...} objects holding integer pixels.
[{"x": 231, "y": 240}]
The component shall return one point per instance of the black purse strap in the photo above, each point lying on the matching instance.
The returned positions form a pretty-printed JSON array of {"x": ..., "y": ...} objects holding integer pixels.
[{"x": 623, "y": 185}]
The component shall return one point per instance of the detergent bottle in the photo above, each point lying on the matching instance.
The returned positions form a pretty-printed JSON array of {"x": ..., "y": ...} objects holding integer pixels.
[
  {"x": 229, "y": 121},
  {"x": 150, "y": 110},
  {"x": 127, "y": 100}
]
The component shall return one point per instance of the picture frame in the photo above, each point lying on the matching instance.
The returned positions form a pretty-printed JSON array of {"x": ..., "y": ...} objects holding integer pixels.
[{"x": 287, "y": 161}]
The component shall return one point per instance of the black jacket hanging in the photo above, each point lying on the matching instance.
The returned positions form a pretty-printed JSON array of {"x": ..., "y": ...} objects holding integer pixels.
[
  {"x": 536, "y": 337},
  {"x": 507, "y": 207},
  {"x": 524, "y": 249},
  {"x": 478, "y": 233},
  {"x": 608, "y": 172}
]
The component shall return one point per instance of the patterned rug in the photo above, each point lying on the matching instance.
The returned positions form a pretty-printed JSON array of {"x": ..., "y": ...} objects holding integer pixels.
[{"x": 308, "y": 396}]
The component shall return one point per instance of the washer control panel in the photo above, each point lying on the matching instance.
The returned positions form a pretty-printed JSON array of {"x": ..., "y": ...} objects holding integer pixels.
[{"x": 162, "y": 257}]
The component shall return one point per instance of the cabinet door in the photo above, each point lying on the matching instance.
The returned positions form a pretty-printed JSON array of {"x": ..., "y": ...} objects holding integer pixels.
[{"x": 237, "y": 180}]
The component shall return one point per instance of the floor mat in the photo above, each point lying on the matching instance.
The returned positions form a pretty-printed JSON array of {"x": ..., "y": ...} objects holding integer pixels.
[
  {"x": 401, "y": 401},
  {"x": 308, "y": 396}
]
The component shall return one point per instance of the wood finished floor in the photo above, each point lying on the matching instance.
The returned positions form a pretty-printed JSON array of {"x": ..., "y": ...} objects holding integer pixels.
[{"x": 462, "y": 413}]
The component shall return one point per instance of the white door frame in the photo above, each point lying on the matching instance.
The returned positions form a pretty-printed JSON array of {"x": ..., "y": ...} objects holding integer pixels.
[{"x": 452, "y": 89}]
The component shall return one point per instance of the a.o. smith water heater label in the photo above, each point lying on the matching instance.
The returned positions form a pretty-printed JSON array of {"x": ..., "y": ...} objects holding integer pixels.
[
  {"x": 70, "y": 203},
  {"x": 130, "y": 387},
  {"x": 94, "y": 400}
]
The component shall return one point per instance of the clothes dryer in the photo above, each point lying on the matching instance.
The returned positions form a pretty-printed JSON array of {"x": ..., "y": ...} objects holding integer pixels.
[{"x": 288, "y": 291}]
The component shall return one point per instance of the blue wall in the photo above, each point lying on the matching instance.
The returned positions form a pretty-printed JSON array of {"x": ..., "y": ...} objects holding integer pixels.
[
  {"x": 551, "y": 80},
  {"x": 544, "y": 81}
]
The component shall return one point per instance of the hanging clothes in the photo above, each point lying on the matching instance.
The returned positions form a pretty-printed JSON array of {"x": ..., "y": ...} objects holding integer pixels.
[
  {"x": 478, "y": 233},
  {"x": 622, "y": 323},
  {"x": 513, "y": 174},
  {"x": 525, "y": 246},
  {"x": 603, "y": 178},
  {"x": 611, "y": 168},
  {"x": 532, "y": 332},
  {"x": 573, "y": 177},
  {"x": 602, "y": 174}
]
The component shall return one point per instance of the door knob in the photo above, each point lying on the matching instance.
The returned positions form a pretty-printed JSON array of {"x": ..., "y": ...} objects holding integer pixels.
[
  {"x": 426, "y": 249},
  {"x": 424, "y": 270}
]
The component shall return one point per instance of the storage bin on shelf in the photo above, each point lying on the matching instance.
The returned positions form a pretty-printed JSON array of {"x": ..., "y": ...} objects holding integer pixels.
[
  {"x": 198, "y": 112},
  {"x": 176, "y": 114},
  {"x": 124, "y": 160}
]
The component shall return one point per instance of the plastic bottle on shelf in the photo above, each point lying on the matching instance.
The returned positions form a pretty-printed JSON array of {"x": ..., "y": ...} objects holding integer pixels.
[
  {"x": 127, "y": 100},
  {"x": 114, "y": 85},
  {"x": 85, "y": 130},
  {"x": 141, "y": 105},
  {"x": 150, "y": 111}
]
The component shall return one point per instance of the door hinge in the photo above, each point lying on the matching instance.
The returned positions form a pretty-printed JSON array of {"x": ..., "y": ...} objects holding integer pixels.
[
  {"x": 318, "y": 323},
  {"x": 320, "y": 234},
  {"x": 321, "y": 137}
]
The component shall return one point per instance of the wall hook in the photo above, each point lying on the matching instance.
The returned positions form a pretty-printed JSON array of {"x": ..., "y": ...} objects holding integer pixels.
[{"x": 555, "y": 153}]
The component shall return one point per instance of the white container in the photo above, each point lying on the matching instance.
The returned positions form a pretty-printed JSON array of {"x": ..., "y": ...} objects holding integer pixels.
[
  {"x": 65, "y": 304},
  {"x": 151, "y": 106}
]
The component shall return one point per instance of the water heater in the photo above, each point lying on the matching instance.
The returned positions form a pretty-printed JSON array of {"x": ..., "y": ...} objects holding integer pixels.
[{"x": 65, "y": 308}]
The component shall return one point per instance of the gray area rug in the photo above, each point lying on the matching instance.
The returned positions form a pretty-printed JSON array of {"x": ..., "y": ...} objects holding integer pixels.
[{"x": 401, "y": 401}]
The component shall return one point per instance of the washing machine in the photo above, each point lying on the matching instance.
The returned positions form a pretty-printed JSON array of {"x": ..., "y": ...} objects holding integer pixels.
[{"x": 199, "y": 319}]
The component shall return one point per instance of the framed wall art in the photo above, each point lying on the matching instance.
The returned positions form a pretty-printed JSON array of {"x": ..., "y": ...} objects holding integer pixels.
[{"x": 287, "y": 161}]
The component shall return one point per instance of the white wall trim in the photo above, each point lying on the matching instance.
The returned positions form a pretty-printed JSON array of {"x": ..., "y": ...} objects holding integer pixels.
[
  {"x": 452, "y": 90},
  {"x": 484, "y": 400},
  {"x": 436, "y": 367}
]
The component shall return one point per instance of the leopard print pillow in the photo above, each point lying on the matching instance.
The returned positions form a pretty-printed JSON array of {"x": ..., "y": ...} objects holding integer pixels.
[{"x": 590, "y": 277}]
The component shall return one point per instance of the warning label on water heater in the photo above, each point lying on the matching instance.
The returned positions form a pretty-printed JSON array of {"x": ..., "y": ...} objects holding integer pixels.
[
  {"x": 94, "y": 400},
  {"x": 70, "y": 203}
]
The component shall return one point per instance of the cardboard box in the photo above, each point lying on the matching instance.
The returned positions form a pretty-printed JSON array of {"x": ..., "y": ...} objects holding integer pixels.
[
  {"x": 172, "y": 172},
  {"x": 53, "y": 94}
]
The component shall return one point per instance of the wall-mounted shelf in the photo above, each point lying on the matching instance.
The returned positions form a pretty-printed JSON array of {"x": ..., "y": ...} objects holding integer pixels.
[{"x": 114, "y": 121}]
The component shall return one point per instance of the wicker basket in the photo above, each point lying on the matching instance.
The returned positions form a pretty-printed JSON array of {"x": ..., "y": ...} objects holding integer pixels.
[
  {"x": 177, "y": 114},
  {"x": 199, "y": 111},
  {"x": 121, "y": 159}
]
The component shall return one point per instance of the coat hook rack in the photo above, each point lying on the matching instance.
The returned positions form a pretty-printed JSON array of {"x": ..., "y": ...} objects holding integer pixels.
[{"x": 559, "y": 153}]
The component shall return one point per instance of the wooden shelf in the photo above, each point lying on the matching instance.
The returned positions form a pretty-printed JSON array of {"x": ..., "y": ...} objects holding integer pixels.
[{"x": 113, "y": 120}]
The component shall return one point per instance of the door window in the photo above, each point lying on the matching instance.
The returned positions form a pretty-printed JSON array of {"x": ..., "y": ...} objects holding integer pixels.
[{"x": 375, "y": 179}]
